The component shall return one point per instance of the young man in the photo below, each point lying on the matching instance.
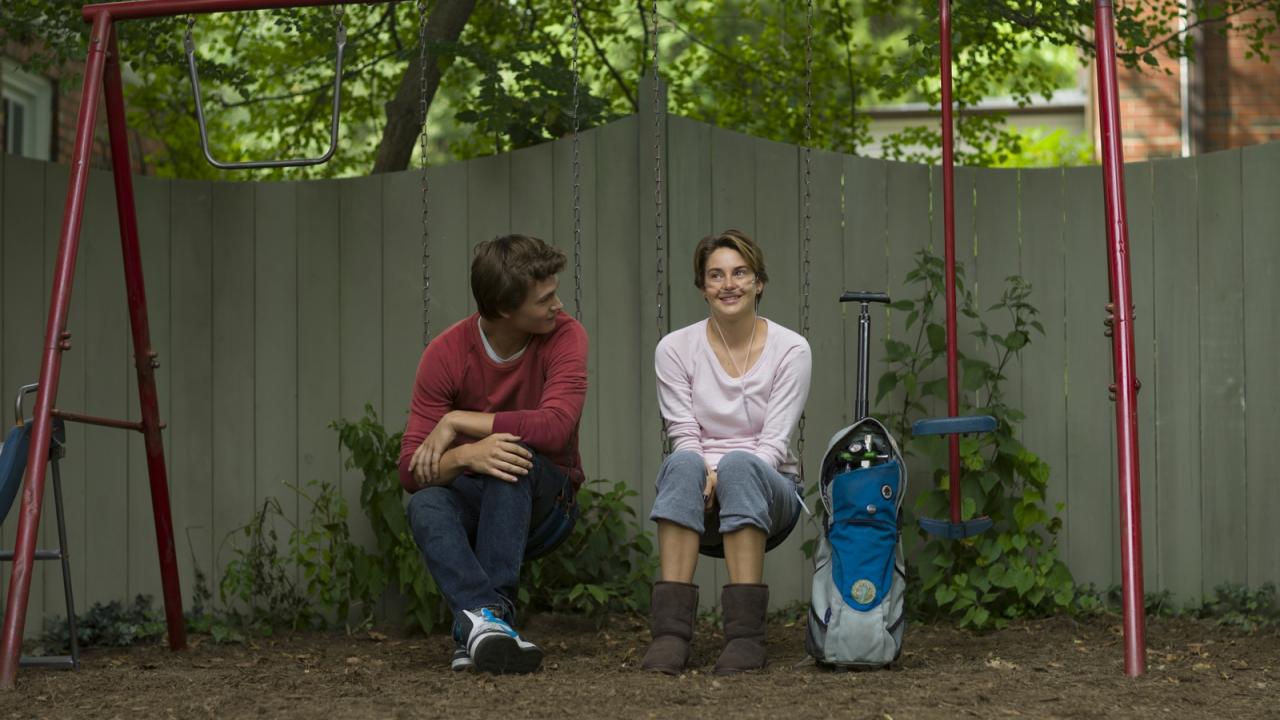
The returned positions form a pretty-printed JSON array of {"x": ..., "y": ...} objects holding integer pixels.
[{"x": 492, "y": 443}]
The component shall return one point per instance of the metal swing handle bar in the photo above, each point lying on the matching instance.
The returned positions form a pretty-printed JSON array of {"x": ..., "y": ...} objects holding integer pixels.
[{"x": 341, "y": 43}]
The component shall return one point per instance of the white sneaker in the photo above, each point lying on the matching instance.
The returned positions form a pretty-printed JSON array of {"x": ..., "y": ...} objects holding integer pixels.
[
  {"x": 495, "y": 647},
  {"x": 461, "y": 661}
]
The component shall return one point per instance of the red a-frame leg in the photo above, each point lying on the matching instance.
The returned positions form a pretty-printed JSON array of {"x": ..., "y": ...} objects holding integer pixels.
[{"x": 101, "y": 44}]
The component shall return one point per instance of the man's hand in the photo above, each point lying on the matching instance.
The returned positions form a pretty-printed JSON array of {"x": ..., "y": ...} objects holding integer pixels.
[
  {"x": 709, "y": 491},
  {"x": 499, "y": 455},
  {"x": 425, "y": 463}
]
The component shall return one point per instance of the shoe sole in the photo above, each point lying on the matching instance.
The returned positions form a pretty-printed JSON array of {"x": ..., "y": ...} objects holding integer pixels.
[{"x": 501, "y": 654}]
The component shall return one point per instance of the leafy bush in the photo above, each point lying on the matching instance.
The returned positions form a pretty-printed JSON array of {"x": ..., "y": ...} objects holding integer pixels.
[
  {"x": 109, "y": 624},
  {"x": 1013, "y": 569},
  {"x": 605, "y": 565}
]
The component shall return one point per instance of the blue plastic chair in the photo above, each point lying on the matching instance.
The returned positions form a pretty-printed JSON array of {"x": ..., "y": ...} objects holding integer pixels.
[{"x": 13, "y": 465}]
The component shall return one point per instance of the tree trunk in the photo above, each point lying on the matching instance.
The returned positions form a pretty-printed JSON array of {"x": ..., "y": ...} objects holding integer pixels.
[{"x": 404, "y": 123}]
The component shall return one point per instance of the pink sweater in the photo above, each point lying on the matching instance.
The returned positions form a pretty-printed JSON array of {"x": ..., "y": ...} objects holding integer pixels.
[
  {"x": 705, "y": 410},
  {"x": 538, "y": 396}
]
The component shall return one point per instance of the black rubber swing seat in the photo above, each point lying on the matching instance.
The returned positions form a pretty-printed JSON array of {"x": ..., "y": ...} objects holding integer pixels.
[{"x": 955, "y": 426}]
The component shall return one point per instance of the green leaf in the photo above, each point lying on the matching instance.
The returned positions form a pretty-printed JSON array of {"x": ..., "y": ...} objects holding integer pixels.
[{"x": 937, "y": 337}]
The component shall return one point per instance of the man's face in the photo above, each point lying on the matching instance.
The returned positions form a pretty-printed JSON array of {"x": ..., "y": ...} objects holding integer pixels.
[{"x": 537, "y": 316}]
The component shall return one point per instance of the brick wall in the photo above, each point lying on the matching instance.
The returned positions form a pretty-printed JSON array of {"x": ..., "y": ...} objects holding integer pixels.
[
  {"x": 1235, "y": 101},
  {"x": 67, "y": 86}
]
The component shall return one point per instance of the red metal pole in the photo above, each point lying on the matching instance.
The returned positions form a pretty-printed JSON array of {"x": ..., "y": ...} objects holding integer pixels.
[
  {"x": 136, "y": 9},
  {"x": 144, "y": 356},
  {"x": 949, "y": 229},
  {"x": 51, "y": 362},
  {"x": 1135, "y": 662}
]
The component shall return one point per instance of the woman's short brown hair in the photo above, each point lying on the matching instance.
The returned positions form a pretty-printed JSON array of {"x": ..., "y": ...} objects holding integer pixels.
[
  {"x": 505, "y": 268},
  {"x": 734, "y": 240}
]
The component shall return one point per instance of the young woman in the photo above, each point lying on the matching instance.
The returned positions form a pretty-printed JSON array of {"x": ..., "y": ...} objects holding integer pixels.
[{"x": 731, "y": 389}]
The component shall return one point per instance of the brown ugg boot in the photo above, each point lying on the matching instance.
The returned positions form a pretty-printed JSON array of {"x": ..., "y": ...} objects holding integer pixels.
[
  {"x": 671, "y": 614},
  {"x": 745, "y": 607}
]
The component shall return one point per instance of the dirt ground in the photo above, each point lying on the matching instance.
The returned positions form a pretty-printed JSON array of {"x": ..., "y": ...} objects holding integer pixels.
[{"x": 1059, "y": 667}]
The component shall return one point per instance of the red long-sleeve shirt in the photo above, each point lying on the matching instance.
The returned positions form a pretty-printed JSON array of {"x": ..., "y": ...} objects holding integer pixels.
[{"x": 539, "y": 396}]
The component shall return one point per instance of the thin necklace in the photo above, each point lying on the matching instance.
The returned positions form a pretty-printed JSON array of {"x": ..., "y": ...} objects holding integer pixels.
[{"x": 729, "y": 351}]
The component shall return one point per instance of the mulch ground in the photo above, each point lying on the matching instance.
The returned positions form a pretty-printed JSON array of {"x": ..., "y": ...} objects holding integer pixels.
[{"x": 1060, "y": 667}]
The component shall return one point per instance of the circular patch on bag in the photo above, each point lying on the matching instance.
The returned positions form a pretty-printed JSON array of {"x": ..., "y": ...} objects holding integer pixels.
[
  {"x": 863, "y": 592},
  {"x": 886, "y": 492}
]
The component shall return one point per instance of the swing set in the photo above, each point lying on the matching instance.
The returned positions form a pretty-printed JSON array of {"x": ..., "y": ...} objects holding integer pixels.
[{"x": 38, "y": 441}]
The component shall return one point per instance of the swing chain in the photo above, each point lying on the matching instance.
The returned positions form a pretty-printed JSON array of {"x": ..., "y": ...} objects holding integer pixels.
[
  {"x": 808, "y": 194},
  {"x": 659, "y": 248},
  {"x": 577, "y": 171},
  {"x": 422, "y": 166}
]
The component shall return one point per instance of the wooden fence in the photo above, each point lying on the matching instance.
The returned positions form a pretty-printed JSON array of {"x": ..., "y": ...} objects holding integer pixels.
[{"x": 279, "y": 307}]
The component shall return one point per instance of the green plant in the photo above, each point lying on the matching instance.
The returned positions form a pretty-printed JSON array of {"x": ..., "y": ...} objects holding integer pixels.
[
  {"x": 1013, "y": 569},
  {"x": 339, "y": 574},
  {"x": 1237, "y": 606},
  {"x": 397, "y": 559},
  {"x": 109, "y": 624},
  {"x": 258, "y": 591},
  {"x": 605, "y": 565}
]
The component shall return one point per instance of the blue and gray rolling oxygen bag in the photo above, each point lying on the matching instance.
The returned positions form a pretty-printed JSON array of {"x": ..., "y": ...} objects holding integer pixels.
[
  {"x": 856, "y": 608},
  {"x": 859, "y": 579}
]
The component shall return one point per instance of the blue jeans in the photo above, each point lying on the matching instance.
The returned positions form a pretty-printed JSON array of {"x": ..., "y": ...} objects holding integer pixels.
[{"x": 473, "y": 532}]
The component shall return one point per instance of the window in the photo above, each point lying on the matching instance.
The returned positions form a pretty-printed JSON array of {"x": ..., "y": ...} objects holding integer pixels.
[{"x": 27, "y": 104}]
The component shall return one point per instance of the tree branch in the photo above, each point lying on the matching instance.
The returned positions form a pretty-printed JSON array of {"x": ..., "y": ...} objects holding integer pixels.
[
  {"x": 613, "y": 71},
  {"x": 400, "y": 134}
]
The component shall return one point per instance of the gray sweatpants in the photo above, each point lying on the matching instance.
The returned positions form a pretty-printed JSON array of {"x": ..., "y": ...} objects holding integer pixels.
[{"x": 749, "y": 494}]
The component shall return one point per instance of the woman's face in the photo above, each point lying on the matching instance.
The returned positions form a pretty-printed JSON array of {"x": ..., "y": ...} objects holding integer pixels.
[{"x": 729, "y": 284}]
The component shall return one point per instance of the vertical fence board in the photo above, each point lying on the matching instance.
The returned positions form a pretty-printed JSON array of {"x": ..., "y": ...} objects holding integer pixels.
[
  {"x": 106, "y": 394},
  {"x": 1044, "y": 361},
  {"x": 532, "y": 199},
  {"x": 70, "y": 395},
  {"x": 1224, "y": 488},
  {"x": 401, "y": 293},
  {"x": 651, "y": 210},
  {"x": 23, "y": 270},
  {"x": 690, "y": 168},
  {"x": 234, "y": 384},
  {"x": 968, "y": 264},
  {"x": 318, "y": 384},
  {"x": 997, "y": 256},
  {"x": 778, "y": 228},
  {"x": 488, "y": 202},
  {"x": 582, "y": 272},
  {"x": 1177, "y": 330},
  {"x": 360, "y": 316},
  {"x": 191, "y": 425},
  {"x": 1090, "y": 469},
  {"x": 151, "y": 199},
  {"x": 866, "y": 268},
  {"x": 907, "y": 230},
  {"x": 450, "y": 247},
  {"x": 275, "y": 350},
  {"x": 826, "y": 409},
  {"x": 1141, "y": 249},
  {"x": 1261, "y": 253},
  {"x": 624, "y": 361}
]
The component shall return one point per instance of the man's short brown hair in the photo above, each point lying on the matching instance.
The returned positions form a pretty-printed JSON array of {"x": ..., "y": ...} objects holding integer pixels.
[
  {"x": 506, "y": 267},
  {"x": 734, "y": 240}
]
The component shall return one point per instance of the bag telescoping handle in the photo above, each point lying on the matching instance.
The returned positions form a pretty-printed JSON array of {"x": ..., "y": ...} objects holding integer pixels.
[{"x": 861, "y": 405}]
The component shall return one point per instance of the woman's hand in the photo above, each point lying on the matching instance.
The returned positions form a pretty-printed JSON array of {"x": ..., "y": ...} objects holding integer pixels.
[{"x": 709, "y": 490}]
